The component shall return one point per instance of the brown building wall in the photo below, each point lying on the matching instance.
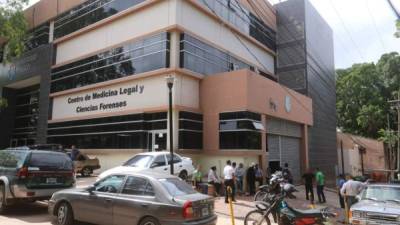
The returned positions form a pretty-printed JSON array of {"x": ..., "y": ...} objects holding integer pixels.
[
  {"x": 374, "y": 157},
  {"x": 245, "y": 90}
]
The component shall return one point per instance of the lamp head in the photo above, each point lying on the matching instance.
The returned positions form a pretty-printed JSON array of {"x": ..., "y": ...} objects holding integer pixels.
[{"x": 170, "y": 80}]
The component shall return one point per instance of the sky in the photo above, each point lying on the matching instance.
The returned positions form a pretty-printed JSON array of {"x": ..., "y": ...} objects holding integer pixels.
[{"x": 363, "y": 29}]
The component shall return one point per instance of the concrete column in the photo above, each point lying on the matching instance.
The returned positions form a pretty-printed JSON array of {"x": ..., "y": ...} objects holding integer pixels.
[
  {"x": 304, "y": 153},
  {"x": 264, "y": 156},
  {"x": 51, "y": 32},
  {"x": 174, "y": 49}
]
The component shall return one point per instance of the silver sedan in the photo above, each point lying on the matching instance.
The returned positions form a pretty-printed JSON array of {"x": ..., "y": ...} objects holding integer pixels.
[{"x": 134, "y": 198}]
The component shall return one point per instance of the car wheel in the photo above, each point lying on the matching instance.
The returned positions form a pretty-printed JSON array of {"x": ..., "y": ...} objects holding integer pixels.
[
  {"x": 65, "y": 216},
  {"x": 2, "y": 199},
  {"x": 86, "y": 172},
  {"x": 149, "y": 221},
  {"x": 183, "y": 175}
]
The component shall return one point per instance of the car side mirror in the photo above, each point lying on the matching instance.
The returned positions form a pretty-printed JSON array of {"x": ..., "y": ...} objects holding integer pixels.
[{"x": 91, "y": 189}]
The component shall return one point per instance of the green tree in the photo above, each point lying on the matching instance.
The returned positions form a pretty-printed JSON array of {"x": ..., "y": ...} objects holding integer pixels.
[
  {"x": 13, "y": 27},
  {"x": 397, "y": 34},
  {"x": 360, "y": 104}
]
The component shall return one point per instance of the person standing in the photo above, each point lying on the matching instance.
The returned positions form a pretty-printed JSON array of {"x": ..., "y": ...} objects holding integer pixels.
[
  {"x": 308, "y": 181},
  {"x": 74, "y": 153},
  {"x": 287, "y": 174},
  {"x": 239, "y": 175},
  {"x": 350, "y": 190},
  {"x": 251, "y": 179},
  {"x": 339, "y": 184},
  {"x": 229, "y": 181},
  {"x": 320, "y": 179},
  {"x": 235, "y": 181},
  {"x": 259, "y": 175},
  {"x": 197, "y": 177},
  {"x": 214, "y": 180}
]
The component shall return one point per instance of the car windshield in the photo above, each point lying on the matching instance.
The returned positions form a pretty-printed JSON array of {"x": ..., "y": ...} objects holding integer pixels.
[
  {"x": 12, "y": 158},
  {"x": 142, "y": 161},
  {"x": 382, "y": 193},
  {"x": 176, "y": 187}
]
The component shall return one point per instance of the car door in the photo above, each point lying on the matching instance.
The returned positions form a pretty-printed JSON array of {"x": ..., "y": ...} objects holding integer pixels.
[
  {"x": 97, "y": 207},
  {"x": 159, "y": 165},
  {"x": 136, "y": 200},
  {"x": 178, "y": 166}
]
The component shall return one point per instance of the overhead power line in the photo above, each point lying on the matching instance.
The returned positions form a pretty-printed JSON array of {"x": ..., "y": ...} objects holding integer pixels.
[
  {"x": 347, "y": 30},
  {"x": 374, "y": 25}
]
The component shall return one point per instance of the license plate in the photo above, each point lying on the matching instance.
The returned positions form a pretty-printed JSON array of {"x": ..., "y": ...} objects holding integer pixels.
[
  {"x": 51, "y": 180},
  {"x": 205, "y": 212}
]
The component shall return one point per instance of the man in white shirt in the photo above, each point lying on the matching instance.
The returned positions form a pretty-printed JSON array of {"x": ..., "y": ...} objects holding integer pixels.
[
  {"x": 350, "y": 190},
  {"x": 229, "y": 180}
]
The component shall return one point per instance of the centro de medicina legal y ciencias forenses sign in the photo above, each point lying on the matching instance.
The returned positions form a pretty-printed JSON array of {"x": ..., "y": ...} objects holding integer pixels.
[{"x": 87, "y": 98}]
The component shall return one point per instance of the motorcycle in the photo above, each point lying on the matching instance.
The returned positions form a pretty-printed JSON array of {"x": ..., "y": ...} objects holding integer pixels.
[
  {"x": 274, "y": 187},
  {"x": 276, "y": 209}
]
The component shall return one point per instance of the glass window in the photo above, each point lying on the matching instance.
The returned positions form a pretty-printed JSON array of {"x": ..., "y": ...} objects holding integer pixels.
[
  {"x": 50, "y": 160},
  {"x": 177, "y": 187},
  {"x": 13, "y": 159},
  {"x": 159, "y": 161},
  {"x": 141, "y": 161},
  {"x": 382, "y": 193},
  {"x": 190, "y": 140},
  {"x": 138, "y": 186},
  {"x": 177, "y": 159},
  {"x": 240, "y": 140},
  {"x": 111, "y": 184}
]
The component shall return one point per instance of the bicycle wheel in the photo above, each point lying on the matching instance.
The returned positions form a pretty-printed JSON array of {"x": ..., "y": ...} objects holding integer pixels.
[
  {"x": 260, "y": 196},
  {"x": 256, "y": 217}
]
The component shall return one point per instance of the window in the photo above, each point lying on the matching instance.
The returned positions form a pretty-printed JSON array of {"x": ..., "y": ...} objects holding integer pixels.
[
  {"x": 38, "y": 36},
  {"x": 111, "y": 184},
  {"x": 141, "y": 161},
  {"x": 176, "y": 187},
  {"x": 12, "y": 159},
  {"x": 140, "y": 56},
  {"x": 243, "y": 20},
  {"x": 159, "y": 161},
  {"x": 50, "y": 160},
  {"x": 240, "y": 130},
  {"x": 138, "y": 186},
  {"x": 190, "y": 130},
  {"x": 89, "y": 13},
  {"x": 122, "y": 132},
  {"x": 177, "y": 159},
  {"x": 202, "y": 58}
]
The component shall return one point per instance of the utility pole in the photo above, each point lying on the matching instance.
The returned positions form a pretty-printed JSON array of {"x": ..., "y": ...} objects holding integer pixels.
[{"x": 395, "y": 104}]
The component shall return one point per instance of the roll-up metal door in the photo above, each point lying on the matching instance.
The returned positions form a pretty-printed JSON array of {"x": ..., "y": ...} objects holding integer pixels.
[
  {"x": 290, "y": 153},
  {"x": 283, "y": 142}
]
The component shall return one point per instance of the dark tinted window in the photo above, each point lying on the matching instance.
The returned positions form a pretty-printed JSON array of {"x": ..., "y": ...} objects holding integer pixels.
[
  {"x": 88, "y": 13},
  {"x": 142, "y": 161},
  {"x": 50, "y": 160},
  {"x": 12, "y": 159},
  {"x": 240, "y": 140},
  {"x": 159, "y": 161},
  {"x": 111, "y": 184},
  {"x": 190, "y": 130},
  {"x": 138, "y": 186},
  {"x": 176, "y": 159},
  {"x": 177, "y": 187}
]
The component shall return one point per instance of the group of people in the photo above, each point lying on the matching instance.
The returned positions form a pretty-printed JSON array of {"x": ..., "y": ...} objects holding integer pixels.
[
  {"x": 319, "y": 178},
  {"x": 234, "y": 176}
]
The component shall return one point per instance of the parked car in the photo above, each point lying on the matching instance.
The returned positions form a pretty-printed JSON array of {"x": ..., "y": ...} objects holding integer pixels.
[
  {"x": 142, "y": 198},
  {"x": 30, "y": 175},
  {"x": 155, "y": 162},
  {"x": 48, "y": 147},
  {"x": 378, "y": 204},
  {"x": 85, "y": 165}
]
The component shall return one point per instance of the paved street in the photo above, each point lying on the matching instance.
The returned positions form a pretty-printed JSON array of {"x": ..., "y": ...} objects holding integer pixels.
[{"x": 36, "y": 213}]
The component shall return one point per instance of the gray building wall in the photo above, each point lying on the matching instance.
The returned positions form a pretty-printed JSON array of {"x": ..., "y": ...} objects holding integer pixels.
[
  {"x": 36, "y": 62},
  {"x": 305, "y": 63}
]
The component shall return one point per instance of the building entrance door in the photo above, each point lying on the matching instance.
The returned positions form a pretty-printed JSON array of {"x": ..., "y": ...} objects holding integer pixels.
[{"x": 157, "y": 140}]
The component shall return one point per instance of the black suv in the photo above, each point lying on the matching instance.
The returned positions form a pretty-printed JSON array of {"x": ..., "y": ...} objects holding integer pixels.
[{"x": 30, "y": 175}]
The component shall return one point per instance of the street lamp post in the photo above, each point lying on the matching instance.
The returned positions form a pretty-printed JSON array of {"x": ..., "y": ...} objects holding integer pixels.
[{"x": 170, "y": 83}]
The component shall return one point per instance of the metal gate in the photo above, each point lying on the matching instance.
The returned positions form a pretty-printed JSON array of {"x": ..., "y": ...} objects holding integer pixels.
[{"x": 283, "y": 142}]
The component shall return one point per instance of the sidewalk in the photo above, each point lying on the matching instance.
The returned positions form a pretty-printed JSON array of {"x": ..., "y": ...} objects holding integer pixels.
[{"x": 245, "y": 204}]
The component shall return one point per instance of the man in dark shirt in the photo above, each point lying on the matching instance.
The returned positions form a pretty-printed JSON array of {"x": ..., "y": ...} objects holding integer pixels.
[{"x": 308, "y": 179}]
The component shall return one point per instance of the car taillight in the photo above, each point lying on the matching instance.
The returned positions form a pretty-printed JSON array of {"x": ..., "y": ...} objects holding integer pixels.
[
  {"x": 187, "y": 210},
  {"x": 23, "y": 172}
]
